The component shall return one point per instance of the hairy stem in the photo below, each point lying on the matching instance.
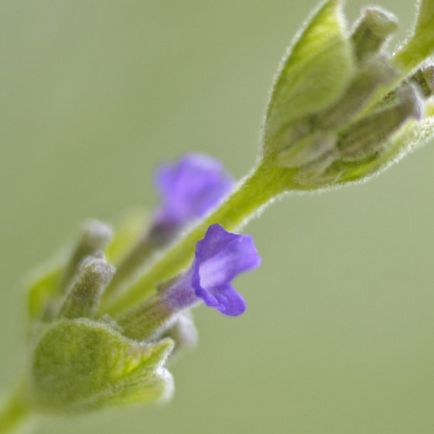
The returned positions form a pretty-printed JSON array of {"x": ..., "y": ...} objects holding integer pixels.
[{"x": 252, "y": 194}]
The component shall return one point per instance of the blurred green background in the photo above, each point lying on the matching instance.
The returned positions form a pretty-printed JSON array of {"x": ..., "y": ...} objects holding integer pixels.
[{"x": 339, "y": 336}]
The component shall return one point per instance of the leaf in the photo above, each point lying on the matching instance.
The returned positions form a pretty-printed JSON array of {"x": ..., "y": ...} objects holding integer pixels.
[
  {"x": 81, "y": 365},
  {"x": 421, "y": 44},
  {"x": 315, "y": 73}
]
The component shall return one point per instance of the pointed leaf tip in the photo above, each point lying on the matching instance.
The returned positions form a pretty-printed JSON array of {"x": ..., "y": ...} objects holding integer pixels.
[{"x": 307, "y": 80}]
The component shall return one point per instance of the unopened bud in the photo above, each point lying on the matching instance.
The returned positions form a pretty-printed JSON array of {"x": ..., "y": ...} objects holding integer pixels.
[
  {"x": 367, "y": 136},
  {"x": 315, "y": 146},
  {"x": 369, "y": 79},
  {"x": 372, "y": 31},
  {"x": 94, "y": 238},
  {"x": 84, "y": 295}
]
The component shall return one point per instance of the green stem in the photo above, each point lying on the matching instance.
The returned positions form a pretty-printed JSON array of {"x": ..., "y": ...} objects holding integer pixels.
[
  {"x": 252, "y": 194},
  {"x": 14, "y": 413}
]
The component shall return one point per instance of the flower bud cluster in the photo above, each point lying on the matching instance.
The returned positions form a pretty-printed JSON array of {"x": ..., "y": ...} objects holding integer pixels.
[{"x": 343, "y": 133}]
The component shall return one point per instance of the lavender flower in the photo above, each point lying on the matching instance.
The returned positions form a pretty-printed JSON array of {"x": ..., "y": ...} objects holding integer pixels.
[
  {"x": 189, "y": 189},
  {"x": 220, "y": 257}
]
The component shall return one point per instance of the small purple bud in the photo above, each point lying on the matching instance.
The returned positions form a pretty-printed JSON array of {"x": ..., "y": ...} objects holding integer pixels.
[
  {"x": 190, "y": 188},
  {"x": 220, "y": 257}
]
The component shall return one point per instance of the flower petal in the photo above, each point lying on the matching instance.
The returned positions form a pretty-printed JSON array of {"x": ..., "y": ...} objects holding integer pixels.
[
  {"x": 227, "y": 300},
  {"x": 220, "y": 257}
]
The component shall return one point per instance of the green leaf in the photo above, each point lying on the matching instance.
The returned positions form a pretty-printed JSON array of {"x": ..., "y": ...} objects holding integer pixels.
[
  {"x": 81, "y": 365},
  {"x": 421, "y": 44},
  {"x": 315, "y": 73}
]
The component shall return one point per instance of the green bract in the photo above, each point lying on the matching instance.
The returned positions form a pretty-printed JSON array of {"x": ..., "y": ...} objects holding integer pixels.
[
  {"x": 79, "y": 365},
  {"x": 307, "y": 80}
]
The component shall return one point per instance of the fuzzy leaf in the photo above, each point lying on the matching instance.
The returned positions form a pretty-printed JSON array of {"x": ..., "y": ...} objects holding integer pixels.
[
  {"x": 315, "y": 73},
  {"x": 81, "y": 365}
]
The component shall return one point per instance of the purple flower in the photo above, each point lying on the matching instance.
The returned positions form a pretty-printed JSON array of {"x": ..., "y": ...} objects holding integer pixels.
[
  {"x": 220, "y": 257},
  {"x": 189, "y": 189}
]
